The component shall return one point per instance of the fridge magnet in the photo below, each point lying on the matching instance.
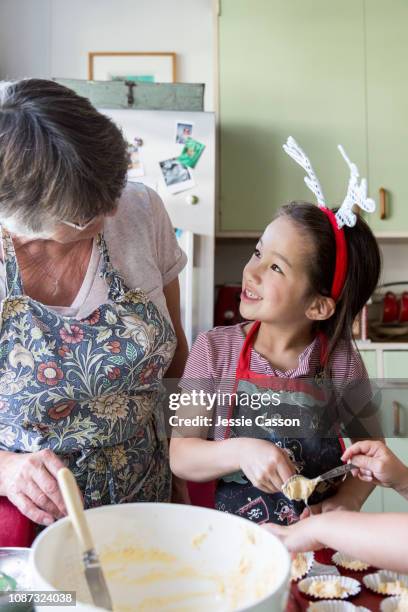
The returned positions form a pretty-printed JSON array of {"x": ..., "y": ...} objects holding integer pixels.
[
  {"x": 191, "y": 153},
  {"x": 183, "y": 131},
  {"x": 135, "y": 166},
  {"x": 176, "y": 176}
]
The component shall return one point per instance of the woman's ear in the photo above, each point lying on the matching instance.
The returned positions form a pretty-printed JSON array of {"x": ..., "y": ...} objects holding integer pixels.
[{"x": 321, "y": 308}]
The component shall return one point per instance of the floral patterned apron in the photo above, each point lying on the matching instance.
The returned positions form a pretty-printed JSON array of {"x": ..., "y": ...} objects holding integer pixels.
[
  {"x": 315, "y": 450},
  {"x": 90, "y": 390}
]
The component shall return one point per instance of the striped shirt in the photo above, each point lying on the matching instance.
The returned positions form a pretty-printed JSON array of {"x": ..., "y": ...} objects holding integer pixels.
[{"x": 212, "y": 363}]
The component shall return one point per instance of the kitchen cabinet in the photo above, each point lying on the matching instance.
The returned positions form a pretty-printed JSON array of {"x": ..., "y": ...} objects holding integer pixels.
[
  {"x": 324, "y": 72},
  {"x": 390, "y": 366},
  {"x": 370, "y": 361},
  {"x": 396, "y": 399},
  {"x": 395, "y": 364},
  {"x": 387, "y": 103},
  {"x": 375, "y": 502},
  {"x": 286, "y": 69}
]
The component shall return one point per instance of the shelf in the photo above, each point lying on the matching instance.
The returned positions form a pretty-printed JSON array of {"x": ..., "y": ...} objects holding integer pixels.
[
  {"x": 394, "y": 237},
  {"x": 243, "y": 235},
  {"x": 367, "y": 345}
]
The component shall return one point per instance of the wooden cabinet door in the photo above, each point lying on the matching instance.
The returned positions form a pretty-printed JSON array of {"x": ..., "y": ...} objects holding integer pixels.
[
  {"x": 387, "y": 103},
  {"x": 287, "y": 68}
]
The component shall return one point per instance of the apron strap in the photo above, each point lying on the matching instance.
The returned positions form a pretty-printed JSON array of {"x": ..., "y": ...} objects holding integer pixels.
[
  {"x": 14, "y": 283},
  {"x": 244, "y": 360},
  {"x": 115, "y": 282}
]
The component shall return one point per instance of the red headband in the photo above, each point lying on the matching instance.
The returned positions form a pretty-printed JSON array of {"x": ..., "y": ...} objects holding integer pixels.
[{"x": 340, "y": 269}]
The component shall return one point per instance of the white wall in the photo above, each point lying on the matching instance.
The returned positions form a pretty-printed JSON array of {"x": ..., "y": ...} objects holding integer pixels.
[
  {"x": 52, "y": 38},
  {"x": 24, "y": 38}
]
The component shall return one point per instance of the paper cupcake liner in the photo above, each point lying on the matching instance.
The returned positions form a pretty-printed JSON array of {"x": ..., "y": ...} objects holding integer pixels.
[
  {"x": 351, "y": 585},
  {"x": 334, "y": 605},
  {"x": 391, "y": 604},
  {"x": 373, "y": 581},
  {"x": 309, "y": 558},
  {"x": 344, "y": 560}
]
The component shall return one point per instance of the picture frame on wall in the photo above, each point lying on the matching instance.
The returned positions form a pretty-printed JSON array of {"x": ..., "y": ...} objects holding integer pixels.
[{"x": 138, "y": 66}]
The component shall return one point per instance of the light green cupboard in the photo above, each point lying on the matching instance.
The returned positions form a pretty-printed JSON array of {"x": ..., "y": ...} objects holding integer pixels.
[
  {"x": 387, "y": 104},
  {"x": 396, "y": 399},
  {"x": 394, "y": 365},
  {"x": 375, "y": 502},
  {"x": 370, "y": 361},
  {"x": 326, "y": 72},
  {"x": 287, "y": 68}
]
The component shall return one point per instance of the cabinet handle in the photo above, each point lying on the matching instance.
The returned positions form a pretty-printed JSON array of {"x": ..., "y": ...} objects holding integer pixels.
[
  {"x": 397, "y": 422},
  {"x": 383, "y": 203}
]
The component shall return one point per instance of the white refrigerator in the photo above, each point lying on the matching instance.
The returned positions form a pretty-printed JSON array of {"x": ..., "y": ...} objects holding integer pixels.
[{"x": 156, "y": 140}]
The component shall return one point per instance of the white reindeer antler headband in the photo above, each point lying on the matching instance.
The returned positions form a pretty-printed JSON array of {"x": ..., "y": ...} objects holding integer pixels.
[{"x": 356, "y": 195}]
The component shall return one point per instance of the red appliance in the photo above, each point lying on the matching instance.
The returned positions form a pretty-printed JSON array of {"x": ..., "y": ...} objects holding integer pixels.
[{"x": 395, "y": 307}]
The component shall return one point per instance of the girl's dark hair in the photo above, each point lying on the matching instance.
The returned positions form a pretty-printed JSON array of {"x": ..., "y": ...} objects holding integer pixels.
[
  {"x": 60, "y": 159},
  {"x": 363, "y": 270}
]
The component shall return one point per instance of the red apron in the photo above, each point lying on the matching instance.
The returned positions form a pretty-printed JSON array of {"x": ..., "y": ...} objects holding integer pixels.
[{"x": 314, "y": 447}]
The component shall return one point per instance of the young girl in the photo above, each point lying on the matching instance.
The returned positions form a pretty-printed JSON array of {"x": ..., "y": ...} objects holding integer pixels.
[{"x": 301, "y": 291}]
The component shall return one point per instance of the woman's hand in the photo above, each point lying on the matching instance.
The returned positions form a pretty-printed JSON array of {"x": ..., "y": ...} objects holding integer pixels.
[
  {"x": 298, "y": 537},
  {"x": 264, "y": 464},
  {"x": 377, "y": 464},
  {"x": 29, "y": 480}
]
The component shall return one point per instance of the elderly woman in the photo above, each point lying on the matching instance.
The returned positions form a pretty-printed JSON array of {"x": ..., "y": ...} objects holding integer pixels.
[{"x": 90, "y": 315}]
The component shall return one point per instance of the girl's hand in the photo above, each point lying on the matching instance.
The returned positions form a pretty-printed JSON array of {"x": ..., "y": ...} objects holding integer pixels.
[
  {"x": 299, "y": 537},
  {"x": 377, "y": 464},
  {"x": 265, "y": 465},
  {"x": 30, "y": 482}
]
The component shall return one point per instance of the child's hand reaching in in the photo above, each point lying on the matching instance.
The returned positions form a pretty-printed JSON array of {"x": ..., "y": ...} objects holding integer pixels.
[
  {"x": 266, "y": 465},
  {"x": 298, "y": 537},
  {"x": 337, "y": 502},
  {"x": 352, "y": 534},
  {"x": 377, "y": 464}
]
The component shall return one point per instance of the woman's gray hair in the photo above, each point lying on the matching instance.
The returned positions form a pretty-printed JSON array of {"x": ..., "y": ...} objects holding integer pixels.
[{"x": 60, "y": 159}]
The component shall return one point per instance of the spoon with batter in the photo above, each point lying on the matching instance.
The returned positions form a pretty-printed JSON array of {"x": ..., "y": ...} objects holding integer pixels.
[{"x": 300, "y": 488}]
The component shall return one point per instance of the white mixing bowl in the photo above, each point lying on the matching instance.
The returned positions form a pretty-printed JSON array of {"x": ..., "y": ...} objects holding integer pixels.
[{"x": 168, "y": 557}]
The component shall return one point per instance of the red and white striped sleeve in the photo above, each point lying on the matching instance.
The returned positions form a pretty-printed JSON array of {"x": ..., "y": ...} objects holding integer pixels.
[{"x": 198, "y": 372}]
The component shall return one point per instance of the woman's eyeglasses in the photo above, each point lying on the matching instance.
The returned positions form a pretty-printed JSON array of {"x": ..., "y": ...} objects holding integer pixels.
[{"x": 79, "y": 226}]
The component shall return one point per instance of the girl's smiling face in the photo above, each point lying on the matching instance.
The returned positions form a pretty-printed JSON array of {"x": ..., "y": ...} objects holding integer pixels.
[{"x": 275, "y": 284}]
